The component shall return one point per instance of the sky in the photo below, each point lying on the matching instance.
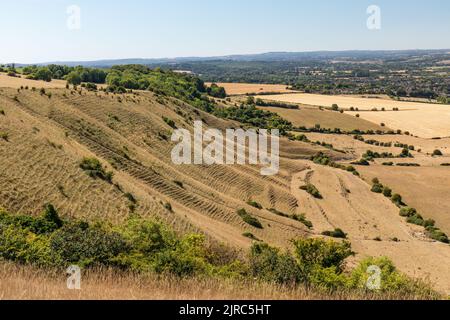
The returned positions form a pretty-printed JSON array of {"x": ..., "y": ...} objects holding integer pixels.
[{"x": 34, "y": 31}]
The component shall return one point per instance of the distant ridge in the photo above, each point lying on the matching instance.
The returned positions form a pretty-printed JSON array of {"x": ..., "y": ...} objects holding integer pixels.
[{"x": 268, "y": 56}]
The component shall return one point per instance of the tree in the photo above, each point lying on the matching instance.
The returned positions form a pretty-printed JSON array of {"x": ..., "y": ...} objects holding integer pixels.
[
  {"x": 74, "y": 78},
  {"x": 43, "y": 74}
]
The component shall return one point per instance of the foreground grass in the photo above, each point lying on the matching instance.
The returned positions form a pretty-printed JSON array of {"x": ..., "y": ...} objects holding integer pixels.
[{"x": 28, "y": 283}]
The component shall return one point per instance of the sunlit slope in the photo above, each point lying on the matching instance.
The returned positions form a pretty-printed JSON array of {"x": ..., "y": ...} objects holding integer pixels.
[{"x": 48, "y": 137}]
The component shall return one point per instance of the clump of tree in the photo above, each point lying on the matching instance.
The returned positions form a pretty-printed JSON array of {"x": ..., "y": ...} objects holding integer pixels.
[
  {"x": 276, "y": 104},
  {"x": 216, "y": 91}
]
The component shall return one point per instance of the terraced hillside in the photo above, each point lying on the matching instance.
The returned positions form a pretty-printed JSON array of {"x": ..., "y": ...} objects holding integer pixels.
[
  {"x": 48, "y": 137},
  {"x": 44, "y": 137}
]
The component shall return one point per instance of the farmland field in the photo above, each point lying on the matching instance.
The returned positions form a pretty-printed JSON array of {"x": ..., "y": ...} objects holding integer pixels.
[
  {"x": 422, "y": 119},
  {"x": 252, "y": 88},
  {"x": 311, "y": 116}
]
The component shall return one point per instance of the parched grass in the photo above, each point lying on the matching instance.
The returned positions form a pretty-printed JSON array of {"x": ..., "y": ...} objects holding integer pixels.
[{"x": 29, "y": 283}]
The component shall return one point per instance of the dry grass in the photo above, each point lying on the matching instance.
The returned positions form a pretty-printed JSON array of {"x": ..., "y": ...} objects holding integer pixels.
[
  {"x": 17, "y": 82},
  {"x": 422, "y": 119},
  {"x": 423, "y": 188},
  {"x": 27, "y": 283},
  {"x": 309, "y": 117},
  {"x": 250, "y": 88},
  {"x": 49, "y": 137}
]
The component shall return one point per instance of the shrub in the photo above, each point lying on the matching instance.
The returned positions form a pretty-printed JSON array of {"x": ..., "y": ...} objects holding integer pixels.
[
  {"x": 170, "y": 122},
  {"x": 377, "y": 187},
  {"x": 255, "y": 204},
  {"x": 2, "y": 112},
  {"x": 436, "y": 234},
  {"x": 179, "y": 183},
  {"x": 407, "y": 212},
  {"x": 268, "y": 264},
  {"x": 336, "y": 233},
  {"x": 387, "y": 192},
  {"x": 314, "y": 254},
  {"x": 416, "y": 219},
  {"x": 437, "y": 153},
  {"x": 397, "y": 199},
  {"x": 302, "y": 218},
  {"x": 249, "y": 219},
  {"x": 391, "y": 279},
  {"x": 80, "y": 244},
  {"x": 168, "y": 206},
  {"x": 95, "y": 169},
  {"x": 130, "y": 197},
  {"x": 47, "y": 223},
  {"x": 4, "y": 135},
  {"x": 250, "y": 236},
  {"x": 312, "y": 190}
]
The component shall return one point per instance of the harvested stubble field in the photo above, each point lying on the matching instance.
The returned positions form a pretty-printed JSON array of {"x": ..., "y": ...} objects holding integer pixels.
[
  {"x": 310, "y": 117},
  {"x": 253, "y": 88},
  {"x": 422, "y": 119}
]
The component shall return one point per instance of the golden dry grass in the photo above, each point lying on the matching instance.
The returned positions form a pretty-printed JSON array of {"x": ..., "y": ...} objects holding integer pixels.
[
  {"x": 27, "y": 283},
  {"x": 422, "y": 119},
  {"x": 349, "y": 204},
  {"x": 17, "y": 82},
  {"x": 252, "y": 88},
  {"x": 47, "y": 138},
  {"x": 309, "y": 117}
]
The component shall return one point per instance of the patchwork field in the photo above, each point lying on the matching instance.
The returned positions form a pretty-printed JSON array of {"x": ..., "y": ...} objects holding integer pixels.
[
  {"x": 421, "y": 119},
  {"x": 251, "y": 88},
  {"x": 310, "y": 117}
]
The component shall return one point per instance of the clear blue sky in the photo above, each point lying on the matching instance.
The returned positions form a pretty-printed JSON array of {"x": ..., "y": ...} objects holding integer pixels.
[{"x": 36, "y": 31}]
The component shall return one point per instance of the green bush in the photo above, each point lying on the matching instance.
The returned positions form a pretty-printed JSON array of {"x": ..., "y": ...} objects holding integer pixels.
[
  {"x": 336, "y": 233},
  {"x": 4, "y": 135},
  {"x": 387, "y": 192},
  {"x": 269, "y": 264},
  {"x": 377, "y": 188},
  {"x": 312, "y": 190},
  {"x": 170, "y": 122},
  {"x": 437, "y": 153},
  {"x": 255, "y": 204},
  {"x": 249, "y": 219},
  {"x": 47, "y": 223},
  {"x": 436, "y": 234},
  {"x": 250, "y": 236},
  {"x": 408, "y": 212},
  {"x": 391, "y": 280},
  {"x": 397, "y": 199},
  {"x": 80, "y": 244},
  {"x": 95, "y": 169},
  {"x": 314, "y": 255},
  {"x": 302, "y": 218}
]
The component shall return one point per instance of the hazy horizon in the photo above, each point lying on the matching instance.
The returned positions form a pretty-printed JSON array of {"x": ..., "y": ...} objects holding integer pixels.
[{"x": 46, "y": 31}]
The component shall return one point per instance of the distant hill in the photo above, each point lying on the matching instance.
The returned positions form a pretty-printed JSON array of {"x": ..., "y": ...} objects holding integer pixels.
[{"x": 269, "y": 56}]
